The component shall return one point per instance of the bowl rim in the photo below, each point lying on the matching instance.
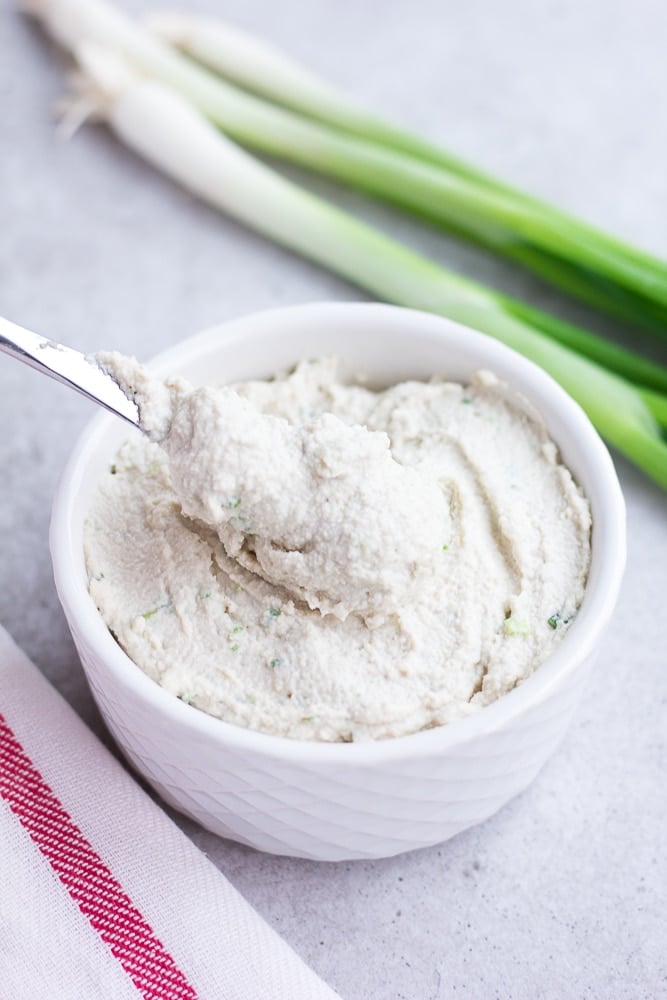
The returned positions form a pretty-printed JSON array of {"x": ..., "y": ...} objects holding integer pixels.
[{"x": 575, "y": 648}]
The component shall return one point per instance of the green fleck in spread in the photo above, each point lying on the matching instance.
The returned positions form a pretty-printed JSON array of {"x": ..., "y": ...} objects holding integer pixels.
[
  {"x": 237, "y": 629},
  {"x": 515, "y": 626},
  {"x": 235, "y": 647},
  {"x": 554, "y": 620},
  {"x": 166, "y": 605},
  {"x": 466, "y": 400},
  {"x": 270, "y": 616},
  {"x": 275, "y": 662}
]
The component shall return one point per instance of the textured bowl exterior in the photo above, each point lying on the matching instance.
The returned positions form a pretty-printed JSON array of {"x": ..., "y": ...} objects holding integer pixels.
[
  {"x": 341, "y": 801},
  {"x": 331, "y": 811}
]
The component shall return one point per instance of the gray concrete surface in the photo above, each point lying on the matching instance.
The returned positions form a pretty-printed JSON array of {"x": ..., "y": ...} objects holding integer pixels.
[{"x": 562, "y": 895}]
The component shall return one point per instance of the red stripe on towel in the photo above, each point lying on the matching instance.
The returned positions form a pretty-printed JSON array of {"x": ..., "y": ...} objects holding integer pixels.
[{"x": 89, "y": 881}]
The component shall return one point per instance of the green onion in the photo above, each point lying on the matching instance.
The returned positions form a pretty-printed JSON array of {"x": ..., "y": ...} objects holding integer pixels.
[
  {"x": 167, "y": 130},
  {"x": 264, "y": 70},
  {"x": 602, "y": 270},
  {"x": 571, "y": 254}
]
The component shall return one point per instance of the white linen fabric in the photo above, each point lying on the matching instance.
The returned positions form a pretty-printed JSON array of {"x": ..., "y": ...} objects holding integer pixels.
[{"x": 53, "y": 910}]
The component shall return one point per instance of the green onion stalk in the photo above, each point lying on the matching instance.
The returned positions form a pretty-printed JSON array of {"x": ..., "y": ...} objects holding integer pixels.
[
  {"x": 164, "y": 128},
  {"x": 591, "y": 265},
  {"x": 341, "y": 142},
  {"x": 603, "y": 271}
]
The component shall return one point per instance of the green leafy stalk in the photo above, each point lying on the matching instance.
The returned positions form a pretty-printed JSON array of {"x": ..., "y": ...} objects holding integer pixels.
[
  {"x": 613, "y": 356},
  {"x": 657, "y": 405},
  {"x": 574, "y": 256},
  {"x": 159, "y": 125},
  {"x": 409, "y": 182},
  {"x": 264, "y": 70},
  {"x": 601, "y": 270}
]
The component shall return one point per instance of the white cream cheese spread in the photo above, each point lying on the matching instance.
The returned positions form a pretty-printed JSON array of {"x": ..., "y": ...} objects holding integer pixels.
[{"x": 313, "y": 559}]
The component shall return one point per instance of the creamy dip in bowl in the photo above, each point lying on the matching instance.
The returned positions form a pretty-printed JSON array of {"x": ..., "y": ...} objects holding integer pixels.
[{"x": 366, "y": 799}]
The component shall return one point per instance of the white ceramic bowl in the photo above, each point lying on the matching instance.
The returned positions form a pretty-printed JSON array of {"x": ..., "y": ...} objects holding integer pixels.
[{"x": 337, "y": 801}]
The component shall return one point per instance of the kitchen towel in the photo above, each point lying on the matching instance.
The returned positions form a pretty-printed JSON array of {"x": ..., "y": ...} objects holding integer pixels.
[{"x": 101, "y": 895}]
